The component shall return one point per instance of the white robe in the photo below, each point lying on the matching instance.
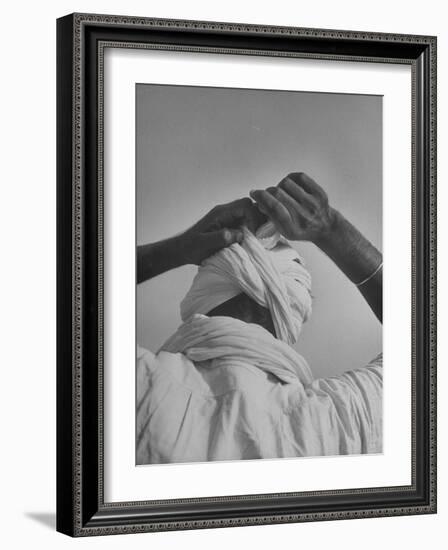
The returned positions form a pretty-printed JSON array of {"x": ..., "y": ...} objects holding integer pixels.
[{"x": 214, "y": 394}]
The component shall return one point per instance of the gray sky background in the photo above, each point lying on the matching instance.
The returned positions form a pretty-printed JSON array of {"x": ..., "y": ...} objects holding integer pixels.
[{"x": 197, "y": 147}]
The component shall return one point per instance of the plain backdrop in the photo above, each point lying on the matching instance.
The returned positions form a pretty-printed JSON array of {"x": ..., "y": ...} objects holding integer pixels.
[
  {"x": 27, "y": 404},
  {"x": 199, "y": 146}
]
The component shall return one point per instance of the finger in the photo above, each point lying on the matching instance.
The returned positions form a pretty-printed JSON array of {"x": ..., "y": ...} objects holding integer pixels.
[
  {"x": 232, "y": 213},
  {"x": 272, "y": 207},
  {"x": 297, "y": 193},
  {"x": 307, "y": 183},
  {"x": 254, "y": 218},
  {"x": 245, "y": 212},
  {"x": 259, "y": 215},
  {"x": 234, "y": 209},
  {"x": 216, "y": 240},
  {"x": 261, "y": 208},
  {"x": 289, "y": 202},
  {"x": 240, "y": 205}
]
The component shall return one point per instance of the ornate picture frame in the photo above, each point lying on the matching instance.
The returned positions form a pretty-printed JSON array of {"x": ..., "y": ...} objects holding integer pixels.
[{"x": 81, "y": 42}]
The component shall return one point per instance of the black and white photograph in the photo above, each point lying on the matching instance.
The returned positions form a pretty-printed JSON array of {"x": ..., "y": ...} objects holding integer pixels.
[
  {"x": 246, "y": 275},
  {"x": 259, "y": 272},
  {"x": 222, "y": 236}
]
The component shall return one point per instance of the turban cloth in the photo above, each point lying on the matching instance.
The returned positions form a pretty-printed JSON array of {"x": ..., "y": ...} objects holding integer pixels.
[{"x": 266, "y": 268}]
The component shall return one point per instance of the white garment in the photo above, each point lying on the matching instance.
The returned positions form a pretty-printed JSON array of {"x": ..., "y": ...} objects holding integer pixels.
[
  {"x": 237, "y": 343},
  {"x": 222, "y": 389},
  {"x": 267, "y": 269}
]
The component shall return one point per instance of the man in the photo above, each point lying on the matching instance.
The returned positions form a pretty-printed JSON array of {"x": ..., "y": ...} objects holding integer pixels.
[{"x": 228, "y": 384}]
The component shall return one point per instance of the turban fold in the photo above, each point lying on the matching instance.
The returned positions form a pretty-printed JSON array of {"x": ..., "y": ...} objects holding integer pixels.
[{"x": 266, "y": 268}]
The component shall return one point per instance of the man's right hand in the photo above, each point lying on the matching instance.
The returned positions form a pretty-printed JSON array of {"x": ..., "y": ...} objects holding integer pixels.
[{"x": 298, "y": 207}]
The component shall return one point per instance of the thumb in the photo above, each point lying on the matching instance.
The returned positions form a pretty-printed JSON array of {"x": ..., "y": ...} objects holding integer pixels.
[{"x": 216, "y": 240}]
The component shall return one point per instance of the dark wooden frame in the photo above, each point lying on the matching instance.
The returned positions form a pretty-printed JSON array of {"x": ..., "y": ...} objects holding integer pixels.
[{"x": 81, "y": 39}]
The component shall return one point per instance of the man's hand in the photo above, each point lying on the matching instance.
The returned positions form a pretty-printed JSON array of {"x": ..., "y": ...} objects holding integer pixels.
[
  {"x": 298, "y": 207},
  {"x": 219, "y": 228},
  {"x": 300, "y": 210}
]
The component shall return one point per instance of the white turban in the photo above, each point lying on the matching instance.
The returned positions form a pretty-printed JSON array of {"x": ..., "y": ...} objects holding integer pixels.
[{"x": 266, "y": 268}]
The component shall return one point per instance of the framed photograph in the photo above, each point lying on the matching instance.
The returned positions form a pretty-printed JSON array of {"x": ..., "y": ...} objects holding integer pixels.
[{"x": 246, "y": 274}]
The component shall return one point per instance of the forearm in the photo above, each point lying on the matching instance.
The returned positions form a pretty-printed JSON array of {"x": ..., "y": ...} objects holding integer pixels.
[
  {"x": 218, "y": 229},
  {"x": 157, "y": 258},
  {"x": 356, "y": 257}
]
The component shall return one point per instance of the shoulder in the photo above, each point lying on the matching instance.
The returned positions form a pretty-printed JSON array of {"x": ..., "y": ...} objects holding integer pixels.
[
  {"x": 148, "y": 362},
  {"x": 377, "y": 361},
  {"x": 166, "y": 366},
  {"x": 364, "y": 380}
]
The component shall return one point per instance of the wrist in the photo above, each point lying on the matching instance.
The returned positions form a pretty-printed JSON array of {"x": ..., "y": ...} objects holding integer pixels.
[
  {"x": 180, "y": 246},
  {"x": 329, "y": 234}
]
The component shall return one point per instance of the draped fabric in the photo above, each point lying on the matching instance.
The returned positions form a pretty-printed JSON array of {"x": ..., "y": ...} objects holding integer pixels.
[
  {"x": 221, "y": 389},
  {"x": 237, "y": 343},
  {"x": 266, "y": 268}
]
